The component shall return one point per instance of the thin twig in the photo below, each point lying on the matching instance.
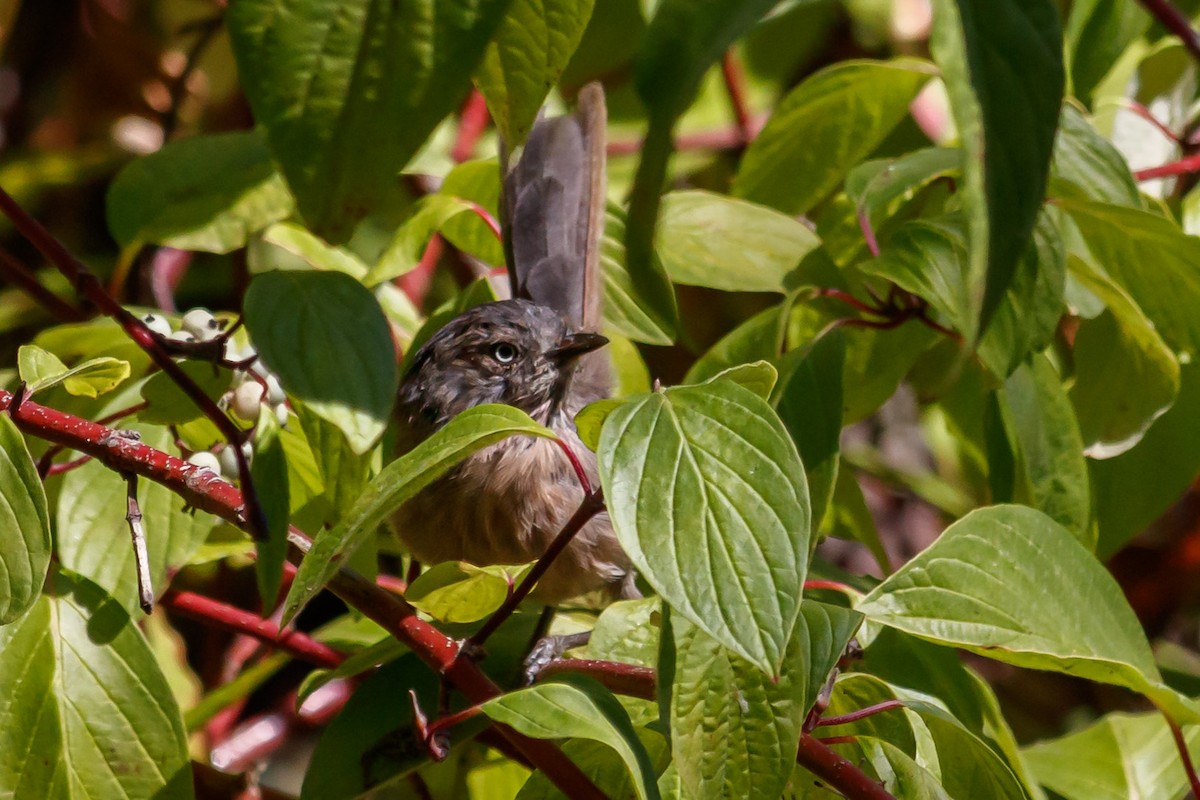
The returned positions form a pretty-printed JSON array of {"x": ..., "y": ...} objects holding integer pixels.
[
  {"x": 67, "y": 466},
  {"x": 735, "y": 86},
  {"x": 17, "y": 274},
  {"x": 864, "y": 224},
  {"x": 207, "y": 29},
  {"x": 137, "y": 532},
  {"x": 1184, "y": 166},
  {"x": 1184, "y": 755},
  {"x": 862, "y": 713},
  {"x": 593, "y": 504},
  {"x": 1148, "y": 115}
]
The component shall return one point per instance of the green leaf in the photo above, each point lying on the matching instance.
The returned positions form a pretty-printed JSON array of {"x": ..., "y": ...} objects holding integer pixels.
[
  {"x": 1115, "y": 758},
  {"x": 404, "y": 252},
  {"x": 1087, "y": 166},
  {"x": 628, "y": 631},
  {"x": 462, "y": 592},
  {"x": 93, "y": 536},
  {"x": 810, "y": 405},
  {"x": 707, "y": 496},
  {"x": 1097, "y": 34},
  {"x": 24, "y": 525},
  {"x": 1051, "y": 450},
  {"x": 206, "y": 193},
  {"x": 601, "y": 764},
  {"x": 310, "y": 251},
  {"x": 1125, "y": 375},
  {"x": 269, "y": 472},
  {"x": 641, "y": 310},
  {"x": 759, "y": 338},
  {"x": 825, "y": 126},
  {"x": 707, "y": 239},
  {"x": 41, "y": 369},
  {"x": 343, "y": 472},
  {"x": 991, "y": 51},
  {"x": 326, "y": 338},
  {"x": 948, "y": 594},
  {"x": 580, "y": 710},
  {"x": 526, "y": 57},
  {"x": 1032, "y": 303},
  {"x": 471, "y": 430},
  {"x": 475, "y": 182},
  {"x": 347, "y": 98},
  {"x": 759, "y": 377},
  {"x": 168, "y": 405},
  {"x": 86, "y": 711},
  {"x": 879, "y": 188}
]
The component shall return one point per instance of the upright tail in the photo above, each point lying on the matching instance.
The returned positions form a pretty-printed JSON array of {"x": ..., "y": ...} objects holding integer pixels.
[{"x": 553, "y": 212}]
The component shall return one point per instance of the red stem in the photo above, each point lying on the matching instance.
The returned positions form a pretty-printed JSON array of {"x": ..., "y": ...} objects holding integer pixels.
[
  {"x": 1148, "y": 115},
  {"x": 627, "y": 679},
  {"x": 416, "y": 282},
  {"x": 1184, "y": 166},
  {"x": 1176, "y": 22},
  {"x": 724, "y": 139},
  {"x": 213, "y": 612},
  {"x": 735, "y": 85},
  {"x": 580, "y": 472},
  {"x": 66, "y": 466},
  {"x": 831, "y": 585},
  {"x": 1184, "y": 755},
  {"x": 843, "y": 775},
  {"x": 487, "y": 218},
  {"x": 472, "y": 122},
  {"x": 864, "y": 224},
  {"x": 205, "y": 491},
  {"x": 862, "y": 713}
]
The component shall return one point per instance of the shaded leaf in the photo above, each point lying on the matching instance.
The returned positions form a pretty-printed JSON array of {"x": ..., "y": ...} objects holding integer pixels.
[
  {"x": 326, "y": 338},
  {"x": 644, "y": 310},
  {"x": 1088, "y": 163},
  {"x": 269, "y": 472},
  {"x": 24, "y": 525},
  {"x": 167, "y": 403},
  {"x": 348, "y": 95},
  {"x": 207, "y": 192}
]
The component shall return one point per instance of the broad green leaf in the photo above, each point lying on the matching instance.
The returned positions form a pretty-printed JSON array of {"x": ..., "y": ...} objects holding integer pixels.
[
  {"x": 734, "y": 731},
  {"x": 208, "y": 193},
  {"x": 1125, "y": 375},
  {"x": 348, "y": 95},
  {"x": 901, "y": 775},
  {"x": 326, "y": 338},
  {"x": 93, "y": 536},
  {"x": 602, "y": 765},
  {"x": 878, "y": 188},
  {"x": 87, "y": 713},
  {"x": 41, "y": 369},
  {"x": 707, "y": 239},
  {"x": 876, "y": 363},
  {"x": 707, "y": 496},
  {"x": 168, "y": 405},
  {"x": 1031, "y": 305},
  {"x": 1087, "y": 166},
  {"x": 462, "y": 592},
  {"x": 580, "y": 710},
  {"x": 343, "y": 473},
  {"x": 684, "y": 38},
  {"x": 1154, "y": 262},
  {"x": 472, "y": 430},
  {"x": 369, "y": 658},
  {"x": 409, "y": 242},
  {"x": 24, "y": 525},
  {"x": 1115, "y": 758},
  {"x": 309, "y": 252},
  {"x": 849, "y": 518},
  {"x": 525, "y": 57},
  {"x": 1097, "y": 33},
  {"x": 590, "y": 420},
  {"x": 644, "y": 311},
  {"x": 628, "y": 631},
  {"x": 269, "y": 472},
  {"x": 1051, "y": 450},
  {"x": 824, "y": 127},
  {"x": 991, "y": 51},
  {"x": 810, "y": 405},
  {"x": 948, "y": 594}
]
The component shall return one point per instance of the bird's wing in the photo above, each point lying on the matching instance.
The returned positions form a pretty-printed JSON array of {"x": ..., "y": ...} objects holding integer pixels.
[{"x": 553, "y": 211}]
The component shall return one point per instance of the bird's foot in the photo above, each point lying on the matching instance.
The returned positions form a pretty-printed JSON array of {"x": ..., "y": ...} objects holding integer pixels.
[{"x": 550, "y": 648}]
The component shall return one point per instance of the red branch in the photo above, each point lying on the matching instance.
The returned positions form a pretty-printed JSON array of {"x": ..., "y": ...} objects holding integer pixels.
[
  {"x": 223, "y": 615},
  {"x": 843, "y": 775},
  {"x": 20, "y": 276},
  {"x": 472, "y": 122},
  {"x": 862, "y": 713},
  {"x": 1176, "y": 22},
  {"x": 1184, "y": 166},
  {"x": 627, "y": 679},
  {"x": 205, "y": 491},
  {"x": 735, "y": 86}
]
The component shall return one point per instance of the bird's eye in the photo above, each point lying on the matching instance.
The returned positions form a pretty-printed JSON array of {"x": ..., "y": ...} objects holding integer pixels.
[{"x": 504, "y": 352}]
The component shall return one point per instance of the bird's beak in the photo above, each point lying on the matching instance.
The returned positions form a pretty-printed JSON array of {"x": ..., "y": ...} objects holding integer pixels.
[{"x": 576, "y": 344}]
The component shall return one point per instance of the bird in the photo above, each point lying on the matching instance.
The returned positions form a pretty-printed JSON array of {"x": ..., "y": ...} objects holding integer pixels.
[{"x": 538, "y": 351}]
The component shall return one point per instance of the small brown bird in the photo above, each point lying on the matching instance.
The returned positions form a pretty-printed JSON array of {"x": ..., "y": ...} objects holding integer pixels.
[{"x": 506, "y": 503}]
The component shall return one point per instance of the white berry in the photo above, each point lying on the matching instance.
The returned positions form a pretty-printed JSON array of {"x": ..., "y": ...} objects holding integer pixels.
[
  {"x": 246, "y": 400},
  {"x": 181, "y": 336},
  {"x": 228, "y": 459},
  {"x": 201, "y": 323},
  {"x": 275, "y": 394},
  {"x": 158, "y": 324},
  {"x": 203, "y": 459},
  {"x": 281, "y": 414}
]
